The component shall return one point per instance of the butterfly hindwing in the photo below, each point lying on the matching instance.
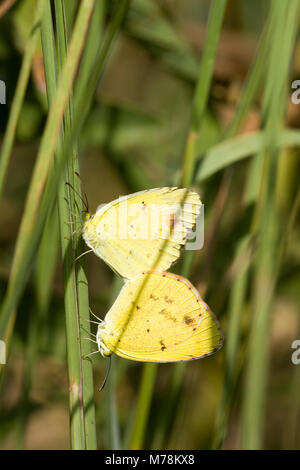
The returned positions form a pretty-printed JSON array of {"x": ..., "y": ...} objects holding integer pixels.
[{"x": 160, "y": 317}]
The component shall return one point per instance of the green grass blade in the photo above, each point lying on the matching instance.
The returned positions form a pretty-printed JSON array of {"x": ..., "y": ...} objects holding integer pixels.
[
  {"x": 199, "y": 106},
  {"x": 19, "y": 95},
  {"x": 27, "y": 232},
  {"x": 169, "y": 405},
  {"x": 21, "y": 258},
  {"x": 83, "y": 97},
  {"x": 114, "y": 428},
  {"x": 112, "y": 415},
  {"x": 90, "y": 51},
  {"x": 203, "y": 84},
  {"x": 143, "y": 406},
  {"x": 243, "y": 146},
  {"x": 30, "y": 233},
  {"x": 147, "y": 23},
  {"x": 76, "y": 292},
  {"x": 253, "y": 82},
  {"x": 43, "y": 277},
  {"x": 233, "y": 333},
  {"x": 82, "y": 424},
  {"x": 264, "y": 282}
]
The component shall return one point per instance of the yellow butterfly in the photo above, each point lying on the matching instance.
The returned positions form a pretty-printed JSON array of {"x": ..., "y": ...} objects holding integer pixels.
[
  {"x": 159, "y": 317},
  {"x": 130, "y": 233}
]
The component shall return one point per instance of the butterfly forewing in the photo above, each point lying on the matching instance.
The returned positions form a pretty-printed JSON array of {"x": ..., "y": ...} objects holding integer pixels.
[{"x": 145, "y": 230}]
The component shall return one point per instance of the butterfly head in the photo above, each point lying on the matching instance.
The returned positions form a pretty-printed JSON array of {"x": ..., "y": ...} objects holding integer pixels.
[
  {"x": 105, "y": 352},
  {"x": 86, "y": 216}
]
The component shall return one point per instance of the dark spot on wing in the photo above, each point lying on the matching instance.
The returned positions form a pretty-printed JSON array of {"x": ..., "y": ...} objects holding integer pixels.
[
  {"x": 136, "y": 306},
  {"x": 163, "y": 347},
  {"x": 188, "y": 320},
  {"x": 169, "y": 301},
  {"x": 148, "y": 330},
  {"x": 167, "y": 315},
  {"x": 163, "y": 312},
  {"x": 153, "y": 297}
]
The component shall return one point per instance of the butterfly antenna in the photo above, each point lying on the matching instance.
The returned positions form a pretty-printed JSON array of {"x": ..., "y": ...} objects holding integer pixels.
[
  {"x": 85, "y": 196},
  {"x": 106, "y": 375},
  {"x": 79, "y": 195},
  {"x": 86, "y": 201}
]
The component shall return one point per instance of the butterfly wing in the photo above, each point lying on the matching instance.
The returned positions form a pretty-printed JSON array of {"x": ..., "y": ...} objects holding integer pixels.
[
  {"x": 160, "y": 317},
  {"x": 142, "y": 231}
]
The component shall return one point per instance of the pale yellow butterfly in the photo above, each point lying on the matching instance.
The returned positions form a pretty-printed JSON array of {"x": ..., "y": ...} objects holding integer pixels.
[
  {"x": 159, "y": 317},
  {"x": 130, "y": 233}
]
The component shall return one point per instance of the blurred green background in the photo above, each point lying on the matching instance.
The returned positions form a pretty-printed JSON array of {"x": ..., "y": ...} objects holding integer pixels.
[{"x": 134, "y": 138}]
